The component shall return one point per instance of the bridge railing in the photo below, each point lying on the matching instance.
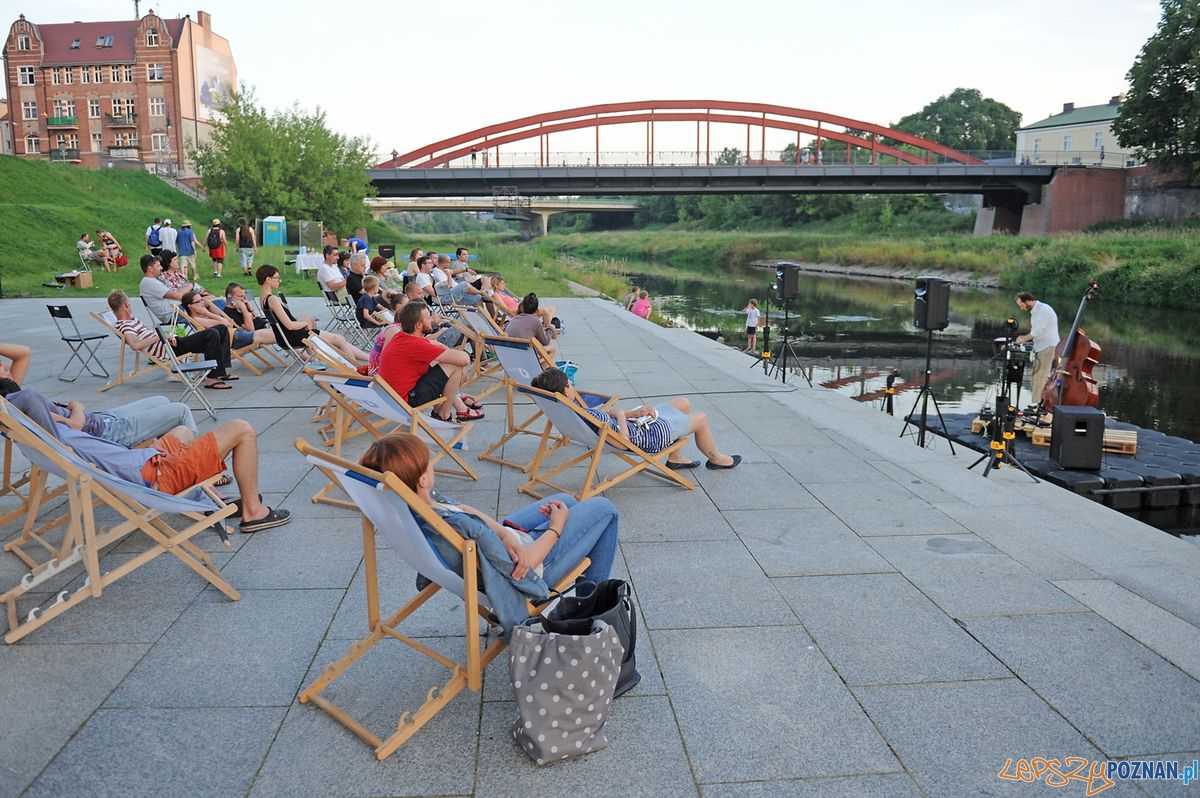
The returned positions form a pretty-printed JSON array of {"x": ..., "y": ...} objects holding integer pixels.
[{"x": 809, "y": 157}]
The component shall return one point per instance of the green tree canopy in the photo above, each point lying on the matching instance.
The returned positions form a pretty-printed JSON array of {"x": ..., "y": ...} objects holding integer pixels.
[
  {"x": 965, "y": 120},
  {"x": 1161, "y": 114},
  {"x": 288, "y": 163}
]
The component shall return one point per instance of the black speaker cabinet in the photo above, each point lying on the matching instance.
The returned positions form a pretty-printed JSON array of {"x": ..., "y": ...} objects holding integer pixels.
[
  {"x": 787, "y": 281},
  {"x": 387, "y": 251},
  {"x": 931, "y": 304},
  {"x": 1077, "y": 438}
]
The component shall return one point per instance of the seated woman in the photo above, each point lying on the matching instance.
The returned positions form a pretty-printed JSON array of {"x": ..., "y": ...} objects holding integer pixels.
[
  {"x": 529, "y": 323},
  {"x": 389, "y": 276},
  {"x": 651, "y": 429},
  {"x": 201, "y": 311},
  {"x": 172, "y": 276},
  {"x": 296, "y": 330},
  {"x": 531, "y": 549},
  {"x": 511, "y": 303}
]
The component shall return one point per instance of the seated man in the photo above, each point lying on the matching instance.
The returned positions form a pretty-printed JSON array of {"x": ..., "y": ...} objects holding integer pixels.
[
  {"x": 178, "y": 461},
  {"x": 329, "y": 276},
  {"x": 155, "y": 292},
  {"x": 213, "y": 344},
  {"x": 651, "y": 429},
  {"x": 84, "y": 245},
  {"x": 354, "y": 280},
  {"x": 424, "y": 278},
  {"x": 238, "y": 308},
  {"x": 528, "y": 324},
  {"x": 422, "y": 370},
  {"x": 459, "y": 293}
]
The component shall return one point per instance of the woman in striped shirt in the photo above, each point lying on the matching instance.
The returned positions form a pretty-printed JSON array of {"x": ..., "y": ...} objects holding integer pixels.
[{"x": 651, "y": 429}]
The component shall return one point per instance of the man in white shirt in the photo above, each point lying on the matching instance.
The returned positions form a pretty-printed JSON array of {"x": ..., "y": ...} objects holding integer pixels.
[
  {"x": 424, "y": 278},
  {"x": 329, "y": 276},
  {"x": 168, "y": 235},
  {"x": 155, "y": 292},
  {"x": 1043, "y": 332}
]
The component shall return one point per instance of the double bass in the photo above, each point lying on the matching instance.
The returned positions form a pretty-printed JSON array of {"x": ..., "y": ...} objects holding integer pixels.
[{"x": 1071, "y": 382}]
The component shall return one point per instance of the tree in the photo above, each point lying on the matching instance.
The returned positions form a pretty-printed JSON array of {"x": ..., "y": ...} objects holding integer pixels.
[
  {"x": 730, "y": 156},
  {"x": 1161, "y": 114},
  {"x": 288, "y": 163},
  {"x": 965, "y": 120}
]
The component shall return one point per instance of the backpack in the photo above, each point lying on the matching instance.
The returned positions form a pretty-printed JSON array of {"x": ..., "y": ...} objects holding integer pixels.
[
  {"x": 213, "y": 240},
  {"x": 153, "y": 239}
]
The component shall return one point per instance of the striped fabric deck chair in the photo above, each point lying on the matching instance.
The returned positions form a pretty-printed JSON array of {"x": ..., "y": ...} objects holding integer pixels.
[
  {"x": 108, "y": 320},
  {"x": 378, "y": 410},
  {"x": 522, "y": 359},
  {"x": 575, "y": 426},
  {"x": 389, "y": 509},
  {"x": 143, "y": 509},
  {"x": 332, "y": 421},
  {"x": 484, "y": 367}
]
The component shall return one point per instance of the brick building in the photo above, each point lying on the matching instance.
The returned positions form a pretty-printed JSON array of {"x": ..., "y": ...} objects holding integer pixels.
[{"x": 129, "y": 90}]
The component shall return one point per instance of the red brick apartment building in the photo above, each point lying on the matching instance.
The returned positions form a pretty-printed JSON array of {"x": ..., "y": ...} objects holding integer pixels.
[{"x": 132, "y": 91}]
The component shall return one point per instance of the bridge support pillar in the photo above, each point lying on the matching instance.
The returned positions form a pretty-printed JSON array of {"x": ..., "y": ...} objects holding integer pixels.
[
  {"x": 998, "y": 219},
  {"x": 537, "y": 225}
]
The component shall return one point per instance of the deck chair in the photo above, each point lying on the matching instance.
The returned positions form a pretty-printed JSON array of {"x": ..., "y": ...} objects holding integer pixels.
[
  {"x": 378, "y": 410},
  {"x": 330, "y": 417},
  {"x": 520, "y": 360},
  {"x": 31, "y": 492},
  {"x": 108, "y": 320},
  {"x": 81, "y": 344},
  {"x": 574, "y": 425},
  {"x": 253, "y": 348},
  {"x": 143, "y": 509},
  {"x": 193, "y": 373},
  {"x": 390, "y": 509}
]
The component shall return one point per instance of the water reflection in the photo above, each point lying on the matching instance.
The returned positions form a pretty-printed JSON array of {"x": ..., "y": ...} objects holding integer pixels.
[{"x": 855, "y": 331}]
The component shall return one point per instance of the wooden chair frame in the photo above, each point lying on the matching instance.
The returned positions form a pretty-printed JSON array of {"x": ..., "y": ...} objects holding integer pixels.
[
  {"x": 108, "y": 320},
  {"x": 357, "y": 399},
  {"x": 143, "y": 510},
  {"x": 253, "y": 348},
  {"x": 359, "y": 481},
  {"x": 516, "y": 375},
  {"x": 574, "y": 425}
]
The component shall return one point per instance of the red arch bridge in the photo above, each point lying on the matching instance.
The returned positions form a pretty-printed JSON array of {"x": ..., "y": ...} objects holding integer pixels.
[{"x": 830, "y": 154}]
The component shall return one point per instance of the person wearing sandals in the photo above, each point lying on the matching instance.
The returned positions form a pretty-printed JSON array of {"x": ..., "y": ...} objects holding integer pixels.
[
  {"x": 296, "y": 330},
  {"x": 523, "y": 555},
  {"x": 208, "y": 317},
  {"x": 651, "y": 429},
  {"x": 179, "y": 460},
  {"x": 212, "y": 344},
  {"x": 422, "y": 370}
]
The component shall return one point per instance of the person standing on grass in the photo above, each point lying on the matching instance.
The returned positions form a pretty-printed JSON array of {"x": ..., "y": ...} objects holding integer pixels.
[
  {"x": 153, "y": 242},
  {"x": 186, "y": 241},
  {"x": 751, "y": 311},
  {"x": 215, "y": 241},
  {"x": 168, "y": 236},
  {"x": 247, "y": 246}
]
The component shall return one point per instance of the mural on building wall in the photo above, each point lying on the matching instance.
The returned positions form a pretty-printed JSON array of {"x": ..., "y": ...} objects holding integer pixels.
[{"x": 214, "y": 81}]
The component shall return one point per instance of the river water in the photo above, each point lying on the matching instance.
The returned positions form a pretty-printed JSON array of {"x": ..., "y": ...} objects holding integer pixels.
[{"x": 853, "y": 331}]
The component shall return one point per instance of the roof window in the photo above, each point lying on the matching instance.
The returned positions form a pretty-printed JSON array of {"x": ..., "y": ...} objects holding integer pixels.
[
  {"x": 74, "y": 44},
  {"x": 104, "y": 41}
]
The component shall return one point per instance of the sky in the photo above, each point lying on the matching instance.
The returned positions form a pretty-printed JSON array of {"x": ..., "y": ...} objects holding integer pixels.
[{"x": 407, "y": 74}]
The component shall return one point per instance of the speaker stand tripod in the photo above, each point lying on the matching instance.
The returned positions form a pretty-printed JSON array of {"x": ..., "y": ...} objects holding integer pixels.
[
  {"x": 1004, "y": 439},
  {"x": 923, "y": 398},
  {"x": 779, "y": 362}
]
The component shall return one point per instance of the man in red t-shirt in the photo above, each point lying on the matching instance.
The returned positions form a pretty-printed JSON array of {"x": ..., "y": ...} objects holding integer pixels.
[{"x": 421, "y": 370}]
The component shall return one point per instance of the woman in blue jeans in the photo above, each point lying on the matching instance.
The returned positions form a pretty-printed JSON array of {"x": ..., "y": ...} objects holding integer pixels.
[{"x": 543, "y": 541}]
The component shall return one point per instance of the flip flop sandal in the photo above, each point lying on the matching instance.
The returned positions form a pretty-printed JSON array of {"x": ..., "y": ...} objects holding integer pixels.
[
  {"x": 470, "y": 415},
  {"x": 231, "y": 378},
  {"x": 219, "y": 386},
  {"x": 470, "y": 401},
  {"x": 223, "y": 481},
  {"x": 272, "y": 519}
]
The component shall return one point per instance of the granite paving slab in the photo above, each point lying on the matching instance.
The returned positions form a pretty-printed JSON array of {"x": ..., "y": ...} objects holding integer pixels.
[
  {"x": 252, "y": 652},
  {"x": 667, "y": 513},
  {"x": 890, "y": 786},
  {"x": 47, "y": 692},
  {"x": 885, "y": 509},
  {"x": 644, "y": 756},
  {"x": 763, "y": 703},
  {"x": 734, "y": 591},
  {"x": 966, "y": 576},
  {"x": 955, "y": 737},
  {"x": 803, "y": 542},
  {"x": 753, "y": 486},
  {"x": 307, "y": 553},
  {"x": 879, "y": 629},
  {"x": 224, "y": 748},
  {"x": 1057, "y": 656}
]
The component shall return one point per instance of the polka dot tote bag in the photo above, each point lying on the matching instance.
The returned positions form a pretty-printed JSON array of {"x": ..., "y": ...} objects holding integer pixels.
[{"x": 563, "y": 686}]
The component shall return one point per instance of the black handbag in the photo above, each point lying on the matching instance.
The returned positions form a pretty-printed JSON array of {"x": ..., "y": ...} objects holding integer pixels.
[{"x": 609, "y": 601}]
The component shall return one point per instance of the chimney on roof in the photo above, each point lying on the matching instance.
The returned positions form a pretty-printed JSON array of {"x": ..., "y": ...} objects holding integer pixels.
[
  {"x": 204, "y": 19},
  {"x": 1116, "y": 99},
  {"x": 1068, "y": 107}
]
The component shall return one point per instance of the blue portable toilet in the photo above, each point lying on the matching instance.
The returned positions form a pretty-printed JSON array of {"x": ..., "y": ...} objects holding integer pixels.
[{"x": 274, "y": 231}]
